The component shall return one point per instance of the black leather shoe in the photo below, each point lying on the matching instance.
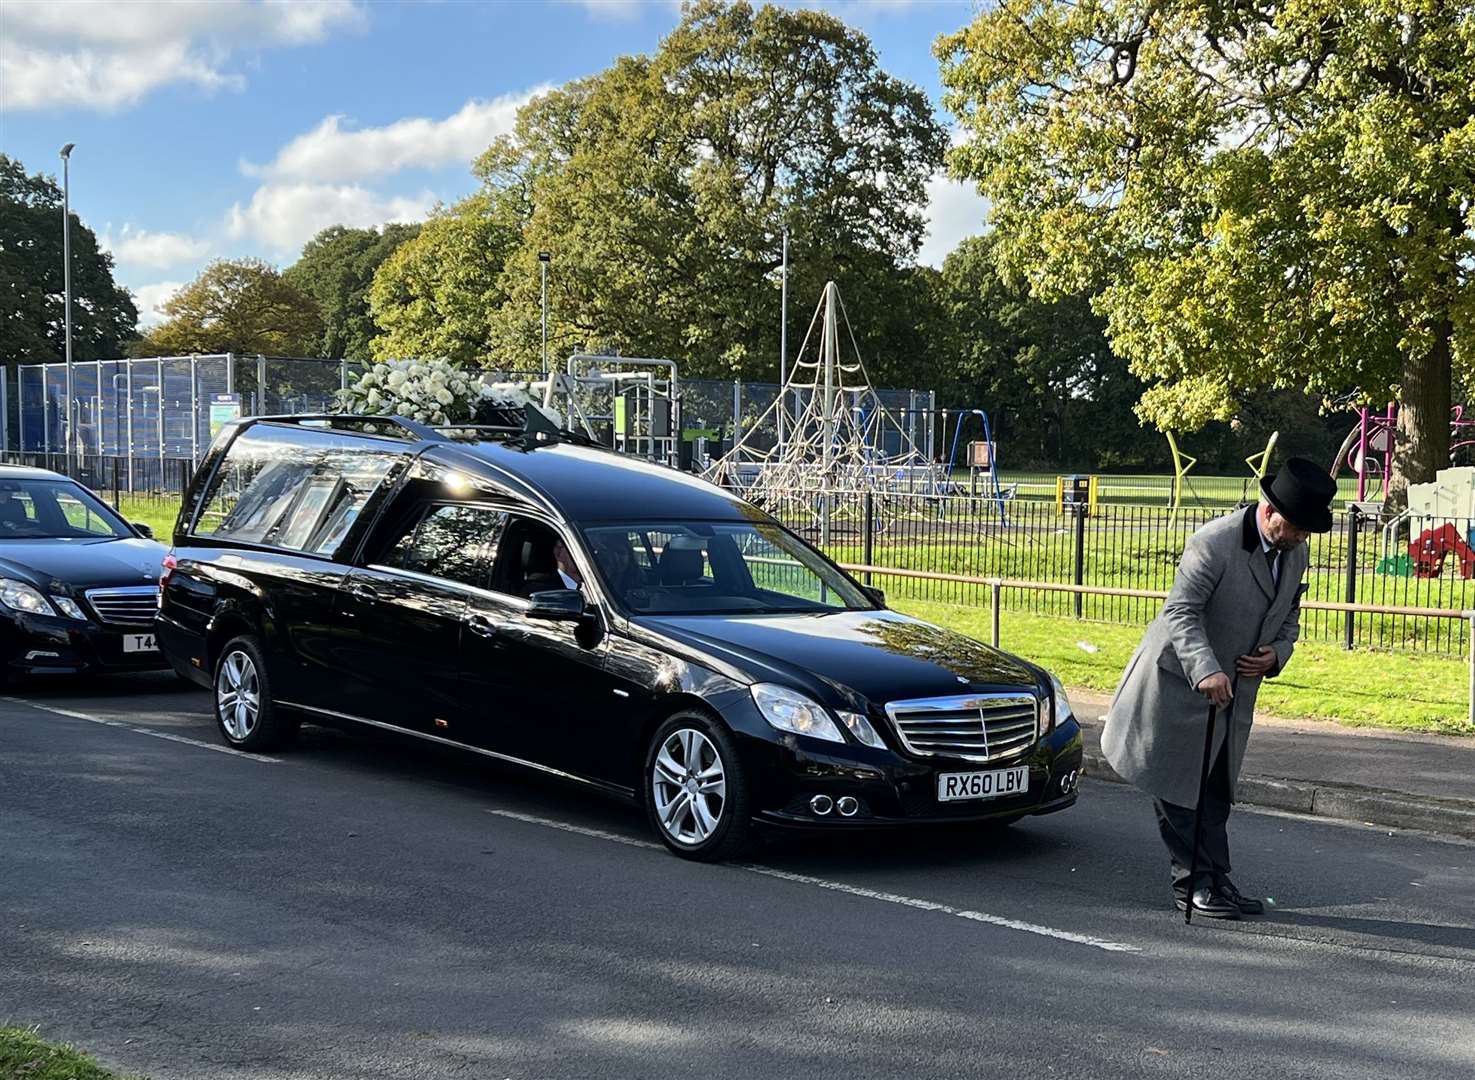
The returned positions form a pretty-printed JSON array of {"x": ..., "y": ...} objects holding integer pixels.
[
  {"x": 1210, "y": 903},
  {"x": 1248, "y": 905}
]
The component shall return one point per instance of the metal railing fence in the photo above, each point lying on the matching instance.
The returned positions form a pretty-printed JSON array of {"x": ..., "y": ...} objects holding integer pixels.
[
  {"x": 998, "y": 586},
  {"x": 953, "y": 541}
]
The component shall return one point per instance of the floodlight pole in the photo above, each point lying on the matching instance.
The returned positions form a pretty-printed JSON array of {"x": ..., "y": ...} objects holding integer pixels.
[
  {"x": 783, "y": 340},
  {"x": 66, "y": 256},
  {"x": 543, "y": 257}
]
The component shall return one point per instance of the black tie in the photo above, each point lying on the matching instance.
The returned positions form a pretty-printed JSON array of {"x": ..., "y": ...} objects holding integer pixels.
[{"x": 1270, "y": 556}]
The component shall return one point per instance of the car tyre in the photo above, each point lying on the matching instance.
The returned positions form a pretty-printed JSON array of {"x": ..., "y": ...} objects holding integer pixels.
[
  {"x": 695, "y": 789},
  {"x": 244, "y": 709}
]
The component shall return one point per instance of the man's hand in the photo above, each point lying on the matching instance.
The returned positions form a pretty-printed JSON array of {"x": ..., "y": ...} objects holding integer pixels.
[
  {"x": 1216, "y": 688},
  {"x": 1261, "y": 662}
]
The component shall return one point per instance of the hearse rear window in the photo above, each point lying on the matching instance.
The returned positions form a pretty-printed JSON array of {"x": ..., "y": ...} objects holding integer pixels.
[{"x": 301, "y": 491}]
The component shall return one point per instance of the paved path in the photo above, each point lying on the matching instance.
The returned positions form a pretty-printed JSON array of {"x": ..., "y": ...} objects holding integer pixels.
[{"x": 365, "y": 908}]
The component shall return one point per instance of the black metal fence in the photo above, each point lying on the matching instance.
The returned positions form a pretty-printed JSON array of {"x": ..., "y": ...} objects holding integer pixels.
[
  {"x": 1419, "y": 563},
  {"x": 115, "y": 475}
]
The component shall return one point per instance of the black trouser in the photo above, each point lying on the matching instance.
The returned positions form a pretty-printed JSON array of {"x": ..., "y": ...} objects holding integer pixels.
[{"x": 1176, "y": 825}]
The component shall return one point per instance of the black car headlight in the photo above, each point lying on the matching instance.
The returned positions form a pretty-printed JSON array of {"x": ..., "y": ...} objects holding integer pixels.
[
  {"x": 789, "y": 710},
  {"x": 69, "y": 607},
  {"x": 1062, "y": 710},
  {"x": 861, "y": 728},
  {"x": 18, "y": 596}
]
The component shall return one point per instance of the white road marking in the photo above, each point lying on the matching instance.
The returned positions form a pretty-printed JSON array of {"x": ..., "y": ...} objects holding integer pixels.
[
  {"x": 841, "y": 887},
  {"x": 75, "y": 715}
]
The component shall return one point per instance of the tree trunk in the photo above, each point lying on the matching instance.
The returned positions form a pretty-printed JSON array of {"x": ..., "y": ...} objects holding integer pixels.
[{"x": 1422, "y": 443}]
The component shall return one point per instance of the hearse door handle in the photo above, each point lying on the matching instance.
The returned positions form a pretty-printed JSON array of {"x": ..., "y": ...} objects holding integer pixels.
[
  {"x": 362, "y": 590},
  {"x": 481, "y": 626}
]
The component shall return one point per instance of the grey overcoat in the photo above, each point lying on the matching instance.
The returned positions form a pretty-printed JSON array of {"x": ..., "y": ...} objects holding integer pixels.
[{"x": 1223, "y": 605}]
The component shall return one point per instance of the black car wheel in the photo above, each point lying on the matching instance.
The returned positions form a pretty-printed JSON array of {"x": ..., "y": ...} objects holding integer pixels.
[
  {"x": 244, "y": 709},
  {"x": 695, "y": 790}
]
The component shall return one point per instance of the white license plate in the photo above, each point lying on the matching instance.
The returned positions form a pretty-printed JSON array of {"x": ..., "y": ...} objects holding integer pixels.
[
  {"x": 953, "y": 786},
  {"x": 139, "y": 643}
]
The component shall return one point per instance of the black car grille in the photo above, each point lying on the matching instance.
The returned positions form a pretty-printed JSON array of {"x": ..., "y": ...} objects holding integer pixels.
[
  {"x": 976, "y": 727},
  {"x": 133, "y": 606}
]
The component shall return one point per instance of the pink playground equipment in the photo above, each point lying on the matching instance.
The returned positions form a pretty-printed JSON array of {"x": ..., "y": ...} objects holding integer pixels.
[{"x": 1440, "y": 517}]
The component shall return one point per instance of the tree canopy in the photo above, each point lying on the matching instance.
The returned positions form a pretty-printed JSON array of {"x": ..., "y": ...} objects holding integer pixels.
[
  {"x": 660, "y": 188},
  {"x": 336, "y": 269},
  {"x": 32, "y": 318},
  {"x": 241, "y": 306},
  {"x": 1265, "y": 194},
  {"x": 437, "y": 294}
]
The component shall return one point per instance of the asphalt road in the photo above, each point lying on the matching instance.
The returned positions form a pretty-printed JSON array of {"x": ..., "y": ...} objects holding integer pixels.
[{"x": 366, "y": 907}]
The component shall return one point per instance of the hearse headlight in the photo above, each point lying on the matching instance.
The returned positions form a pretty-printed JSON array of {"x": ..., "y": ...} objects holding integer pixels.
[
  {"x": 861, "y": 728},
  {"x": 18, "y": 596},
  {"x": 1062, "y": 710},
  {"x": 789, "y": 710},
  {"x": 68, "y": 607}
]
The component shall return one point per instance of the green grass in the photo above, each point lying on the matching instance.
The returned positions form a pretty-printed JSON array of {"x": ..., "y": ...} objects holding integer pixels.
[
  {"x": 1361, "y": 688},
  {"x": 26, "y": 1056},
  {"x": 1152, "y": 489},
  {"x": 157, "y": 513}
]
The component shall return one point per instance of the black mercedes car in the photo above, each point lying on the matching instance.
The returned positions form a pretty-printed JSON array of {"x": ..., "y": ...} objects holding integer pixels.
[
  {"x": 79, "y": 586},
  {"x": 595, "y": 617}
]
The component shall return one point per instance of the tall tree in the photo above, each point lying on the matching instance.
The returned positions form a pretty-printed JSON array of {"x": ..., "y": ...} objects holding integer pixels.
[
  {"x": 237, "y": 305},
  {"x": 436, "y": 294},
  {"x": 336, "y": 268},
  {"x": 1042, "y": 369},
  {"x": 661, "y": 185},
  {"x": 1265, "y": 194},
  {"x": 32, "y": 314}
]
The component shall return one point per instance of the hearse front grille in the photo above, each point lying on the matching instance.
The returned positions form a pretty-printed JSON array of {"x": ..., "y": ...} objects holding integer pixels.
[
  {"x": 976, "y": 727},
  {"x": 135, "y": 605}
]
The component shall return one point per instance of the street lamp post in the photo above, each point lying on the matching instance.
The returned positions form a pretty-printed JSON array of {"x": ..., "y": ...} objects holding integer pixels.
[
  {"x": 66, "y": 256},
  {"x": 783, "y": 342},
  {"x": 543, "y": 257}
]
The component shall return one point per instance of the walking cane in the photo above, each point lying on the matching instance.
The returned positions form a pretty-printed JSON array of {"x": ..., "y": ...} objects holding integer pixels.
[{"x": 1198, "y": 813}]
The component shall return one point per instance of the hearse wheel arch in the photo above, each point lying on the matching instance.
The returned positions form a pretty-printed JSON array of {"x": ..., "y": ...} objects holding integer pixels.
[
  {"x": 245, "y": 712},
  {"x": 694, "y": 788}
]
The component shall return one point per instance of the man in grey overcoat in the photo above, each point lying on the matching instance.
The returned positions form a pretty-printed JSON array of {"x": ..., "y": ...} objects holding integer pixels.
[{"x": 1231, "y": 619}]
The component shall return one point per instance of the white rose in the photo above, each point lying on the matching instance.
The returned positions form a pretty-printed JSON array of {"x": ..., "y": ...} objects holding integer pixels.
[
  {"x": 396, "y": 379},
  {"x": 373, "y": 399},
  {"x": 444, "y": 396}
]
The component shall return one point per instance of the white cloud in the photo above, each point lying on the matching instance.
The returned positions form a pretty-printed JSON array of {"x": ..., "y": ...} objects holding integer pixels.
[
  {"x": 158, "y": 250},
  {"x": 955, "y": 210},
  {"x": 105, "y": 55},
  {"x": 328, "y": 152},
  {"x": 612, "y": 9},
  {"x": 151, "y": 298},
  {"x": 283, "y": 217}
]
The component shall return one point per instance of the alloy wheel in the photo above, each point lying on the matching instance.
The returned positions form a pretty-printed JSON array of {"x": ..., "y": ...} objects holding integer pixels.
[
  {"x": 238, "y": 695},
  {"x": 689, "y": 787}
]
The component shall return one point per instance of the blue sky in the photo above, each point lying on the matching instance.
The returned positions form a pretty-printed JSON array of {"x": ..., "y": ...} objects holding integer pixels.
[{"x": 219, "y": 128}]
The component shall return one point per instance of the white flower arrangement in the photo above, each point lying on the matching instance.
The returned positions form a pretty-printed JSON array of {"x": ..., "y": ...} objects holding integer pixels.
[{"x": 436, "y": 392}]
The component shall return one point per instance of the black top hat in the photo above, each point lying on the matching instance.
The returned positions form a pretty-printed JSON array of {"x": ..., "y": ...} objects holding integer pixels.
[{"x": 1303, "y": 493}]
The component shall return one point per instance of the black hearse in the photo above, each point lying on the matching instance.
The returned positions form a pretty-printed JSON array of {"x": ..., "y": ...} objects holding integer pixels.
[{"x": 605, "y": 620}]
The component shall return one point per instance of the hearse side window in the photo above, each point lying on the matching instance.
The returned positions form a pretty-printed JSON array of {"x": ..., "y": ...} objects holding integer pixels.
[
  {"x": 533, "y": 559},
  {"x": 454, "y": 542},
  {"x": 293, "y": 490}
]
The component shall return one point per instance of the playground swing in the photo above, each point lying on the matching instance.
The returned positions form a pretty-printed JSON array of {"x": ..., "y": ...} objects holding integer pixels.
[{"x": 982, "y": 457}]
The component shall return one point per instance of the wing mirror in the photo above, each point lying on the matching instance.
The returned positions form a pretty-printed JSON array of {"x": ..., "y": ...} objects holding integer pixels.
[
  {"x": 878, "y": 596},
  {"x": 143, "y": 530},
  {"x": 561, "y": 605}
]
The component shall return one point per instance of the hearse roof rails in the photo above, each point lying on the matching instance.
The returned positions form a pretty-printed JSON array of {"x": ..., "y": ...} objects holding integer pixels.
[
  {"x": 538, "y": 428},
  {"x": 350, "y": 421}
]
